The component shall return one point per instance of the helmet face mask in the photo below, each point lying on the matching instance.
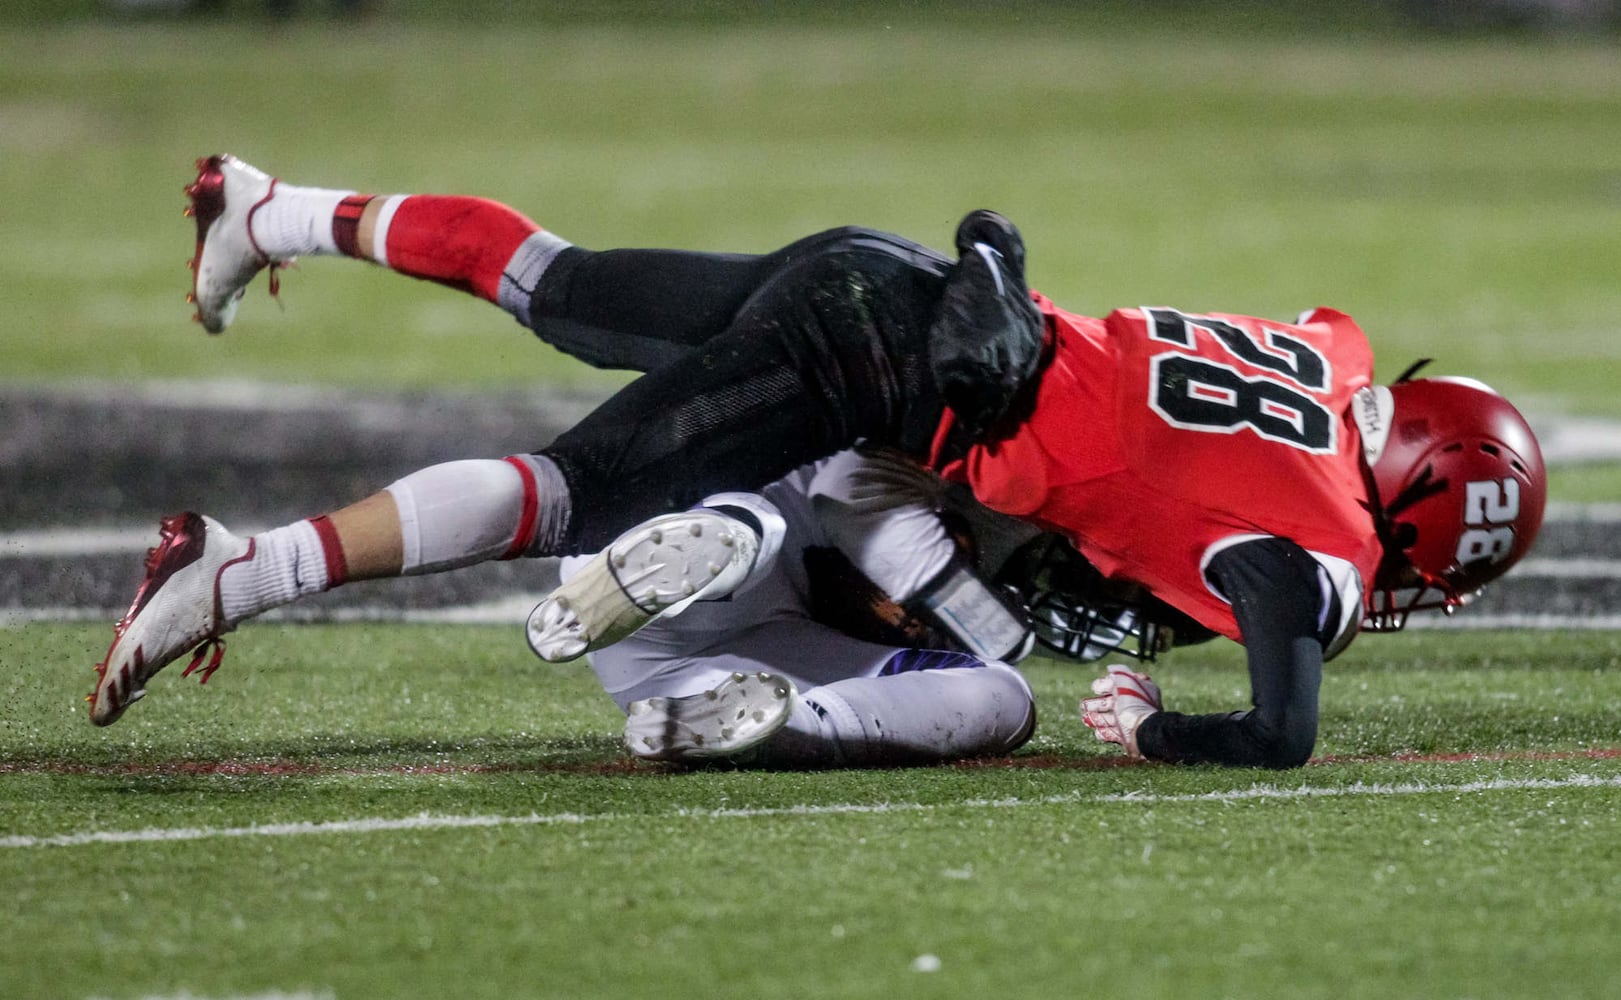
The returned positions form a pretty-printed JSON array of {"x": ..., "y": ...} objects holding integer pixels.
[
  {"x": 1459, "y": 490},
  {"x": 1078, "y": 614}
]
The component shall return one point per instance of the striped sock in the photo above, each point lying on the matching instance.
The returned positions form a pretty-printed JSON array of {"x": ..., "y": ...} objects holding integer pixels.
[
  {"x": 302, "y": 221},
  {"x": 287, "y": 564}
]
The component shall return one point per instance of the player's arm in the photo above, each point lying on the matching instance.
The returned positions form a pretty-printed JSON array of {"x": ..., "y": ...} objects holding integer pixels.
[
  {"x": 1289, "y": 610},
  {"x": 882, "y": 512},
  {"x": 987, "y": 338}
]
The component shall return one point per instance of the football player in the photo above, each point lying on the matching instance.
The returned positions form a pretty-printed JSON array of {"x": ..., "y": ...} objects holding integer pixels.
[
  {"x": 1246, "y": 473},
  {"x": 739, "y": 631}
]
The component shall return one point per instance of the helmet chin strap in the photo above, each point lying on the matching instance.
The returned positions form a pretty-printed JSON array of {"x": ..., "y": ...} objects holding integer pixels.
[
  {"x": 1373, "y": 409},
  {"x": 1412, "y": 370}
]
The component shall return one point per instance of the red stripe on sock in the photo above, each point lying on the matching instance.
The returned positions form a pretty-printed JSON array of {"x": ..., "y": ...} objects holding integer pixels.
[
  {"x": 525, "y": 535},
  {"x": 337, "y": 568},
  {"x": 456, "y": 240},
  {"x": 346, "y": 223}
]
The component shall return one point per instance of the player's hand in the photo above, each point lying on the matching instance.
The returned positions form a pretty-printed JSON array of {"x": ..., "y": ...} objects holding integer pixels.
[
  {"x": 1122, "y": 699},
  {"x": 987, "y": 338}
]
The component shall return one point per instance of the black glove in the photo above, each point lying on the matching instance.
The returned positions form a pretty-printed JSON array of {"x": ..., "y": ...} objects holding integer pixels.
[{"x": 986, "y": 342}]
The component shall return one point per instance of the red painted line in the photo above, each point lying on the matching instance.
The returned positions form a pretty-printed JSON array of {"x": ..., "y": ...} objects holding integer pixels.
[{"x": 304, "y": 769}]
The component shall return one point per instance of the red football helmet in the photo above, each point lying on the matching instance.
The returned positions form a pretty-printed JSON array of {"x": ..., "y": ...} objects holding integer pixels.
[{"x": 1459, "y": 489}]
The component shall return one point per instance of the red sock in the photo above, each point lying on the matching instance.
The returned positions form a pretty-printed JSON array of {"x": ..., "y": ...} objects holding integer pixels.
[{"x": 456, "y": 240}]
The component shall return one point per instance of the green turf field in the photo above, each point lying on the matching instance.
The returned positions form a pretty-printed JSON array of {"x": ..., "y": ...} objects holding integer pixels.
[
  {"x": 520, "y": 854},
  {"x": 1458, "y": 196},
  {"x": 487, "y": 838}
]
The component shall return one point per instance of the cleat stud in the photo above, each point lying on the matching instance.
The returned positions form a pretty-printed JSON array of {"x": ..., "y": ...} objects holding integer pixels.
[
  {"x": 695, "y": 529},
  {"x": 687, "y": 590},
  {"x": 619, "y": 562},
  {"x": 711, "y": 695},
  {"x": 726, "y": 734},
  {"x": 657, "y": 537},
  {"x": 727, "y": 541},
  {"x": 697, "y": 739}
]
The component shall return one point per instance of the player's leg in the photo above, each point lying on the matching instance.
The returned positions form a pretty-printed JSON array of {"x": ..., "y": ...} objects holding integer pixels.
[
  {"x": 831, "y": 351},
  {"x": 202, "y": 581},
  {"x": 942, "y": 706},
  {"x": 635, "y": 309},
  {"x": 656, "y": 570},
  {"x": 725, "y": 700},
  {"x": 248, "y": 220}
]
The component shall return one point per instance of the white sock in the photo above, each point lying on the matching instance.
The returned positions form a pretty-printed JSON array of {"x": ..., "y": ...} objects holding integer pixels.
[
  {"x": 460, "y": 513},
  {"x": 923, "y": 716},
  {"x": 287, "y": 563},
  {"x": 296, "y": 222}
]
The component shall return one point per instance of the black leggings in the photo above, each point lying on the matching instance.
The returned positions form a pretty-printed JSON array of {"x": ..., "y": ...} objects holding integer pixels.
[{"x": 755, "y": 365}]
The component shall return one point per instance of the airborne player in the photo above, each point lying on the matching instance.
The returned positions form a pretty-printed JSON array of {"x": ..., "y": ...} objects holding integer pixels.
[{"x": 1245, "y": 473}]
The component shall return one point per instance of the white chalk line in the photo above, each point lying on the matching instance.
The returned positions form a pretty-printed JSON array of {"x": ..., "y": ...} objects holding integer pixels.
[{"x": 428, "y": 821}]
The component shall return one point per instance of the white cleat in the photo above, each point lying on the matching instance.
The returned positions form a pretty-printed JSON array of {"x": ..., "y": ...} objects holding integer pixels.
[
  {"x": 656, "y": 568},
  {"x": 176, "y": 610},
  {"x": 223, "y": 199},
  {"x": 740, "y": 713}
]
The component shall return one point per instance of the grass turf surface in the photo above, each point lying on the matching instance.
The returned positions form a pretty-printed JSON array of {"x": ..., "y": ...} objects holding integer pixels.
[
  {"x": 1456, "y": 196},
  {"x": 1460, "y": 843}
]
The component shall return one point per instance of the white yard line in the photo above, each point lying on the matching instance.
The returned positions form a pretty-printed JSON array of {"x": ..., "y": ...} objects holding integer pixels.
[
  {"x": 1469, "y": 621},
  {"x": 1570, "y": 569},
  {"x": 426, "y": 821}
]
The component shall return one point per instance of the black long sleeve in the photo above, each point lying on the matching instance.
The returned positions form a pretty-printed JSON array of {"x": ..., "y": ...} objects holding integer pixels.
[{"x": 1281, "y": 607}]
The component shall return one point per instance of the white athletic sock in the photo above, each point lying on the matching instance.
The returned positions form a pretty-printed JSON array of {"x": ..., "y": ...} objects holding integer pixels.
[
  {"x": 296, "y": 222},
  {"x": 460, "y": 513},
  {"x": 287, "y": 563},
  {"x": 923, "y": 716}
]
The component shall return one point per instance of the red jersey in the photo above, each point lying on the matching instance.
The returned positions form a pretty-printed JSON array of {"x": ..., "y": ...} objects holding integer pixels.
[{"x": 1157, "y": 434}]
